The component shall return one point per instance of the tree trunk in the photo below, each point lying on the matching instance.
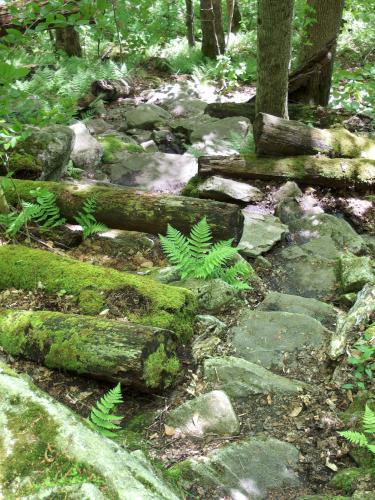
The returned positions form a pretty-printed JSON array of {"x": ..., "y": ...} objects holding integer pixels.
[
  {"x": 325, "y": 29},
  {"x": 138, "y": 298},
  {"x": 310, "y": 170},
  {"x": 67, "y": 40},
  {"x": 213, "y": 41},
  {"x": 127, "y": 208},
  {"x": 275, "y": 136},
  {"x": 190, "y": 23},
  {"x": 234, "y": 15},
  {"x": 4, "y": 209},
  {"x": 111, "y": 90},
  {"x": 115, "y": 351},
  {"x": 273, "y": 56}
]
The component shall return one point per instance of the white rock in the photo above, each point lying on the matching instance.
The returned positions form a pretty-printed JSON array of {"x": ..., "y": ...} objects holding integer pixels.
[
  {"x": 219, "y": 188},
  {"x": 87, "y": 152}
]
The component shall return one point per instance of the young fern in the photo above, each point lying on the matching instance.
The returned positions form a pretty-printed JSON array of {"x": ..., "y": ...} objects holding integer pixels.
[
  {"x": 360, "y": 438},
  {"x": 87, "y": 220},
  {"x": 197, "y": 257},
  {"x": 101, "y": 418}
]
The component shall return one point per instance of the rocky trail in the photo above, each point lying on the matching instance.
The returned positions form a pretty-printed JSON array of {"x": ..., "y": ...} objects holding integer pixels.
[{"x": 228, "y": 394}]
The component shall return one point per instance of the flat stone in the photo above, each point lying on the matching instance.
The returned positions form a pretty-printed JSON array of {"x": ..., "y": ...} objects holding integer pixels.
[
  {"x": 219, "y": 136},
  {"x": 209, "y": 413},
  {"x": 246, "y": 470},
  {"x": 87, "y": 152},
  {"x": 263, "y": 337},
  {"x": 185, "y": 106},
  {"x": 355, "y": 272},
  {"x": 146, "y": 116},
  {"x": 275, "y": 301},
  {"x": 260, "y": 233},
  {"x": 161, "y": 172},
  {"x": 240, "y": 378},
  {"x": 219, "y": 188},
  {"x": 288, "y": 190}
]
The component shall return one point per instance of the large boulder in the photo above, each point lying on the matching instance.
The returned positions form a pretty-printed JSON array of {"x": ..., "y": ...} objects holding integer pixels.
[
  {"x": 42, "y": 439},
  {"x": 355, "y": 272},
  {"x": 161, "y": 172},
  {"x": 260, "y": 233},
  {"x": 146, "y": 116},
  {"x": 87, "y": 152},
  {"x": 219, "y": 188}
]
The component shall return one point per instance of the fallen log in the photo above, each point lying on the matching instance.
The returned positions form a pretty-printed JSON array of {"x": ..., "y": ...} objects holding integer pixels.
[
  {"x": 138, "y": 356},
  {"x": 138, "y": 298},
  {"x": 276, "y": 136},
  {"x": 312, "y": 170},
  {"x": 128, "y": 208},
  {"x": 110, "y": 90}
]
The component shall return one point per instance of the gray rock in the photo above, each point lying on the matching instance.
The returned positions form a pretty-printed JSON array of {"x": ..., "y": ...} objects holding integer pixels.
[
  {"x": 263, "y": 337},
  {"x": 85, "y": 491},
  {"x": 187, "y": 125},
  {"x": 51, "y": 146},
  {"x": 370, "y": 243},
  {"x": 153, "y": 171},
  {"x": 275, "y": 301},
  {"x": 220, "y": 136},
  {"x": 355, "y": 321},
  {"x": 149, "y": 146},
  {"x": 260, "y": 233},
  {"x": 208, "y": 326},
  {"x": 240, "y": 378},
  {"x": 140, "y": 135},
  {"x": 146, "y": 116},
  {"x": 118, "y": 242},
  {"x": 210, "y": 413},
  {"x": 246, "y": 470},
  {"x": 98, "y": 126},
  {"x": 166, "y": 274},
  {"x": 288, "y": 190},
  {"x": 203, "y": 347},
  {"x": 185, "y": 106},
  {"x": 341, "y": 233},
  {"x": 219, "y": 188},
  {"x": 355, "y": 272},
  {"x": 87, "y": 152},
  {"x": 31, "y": 421},
  {"x": 289, "y": 211}
]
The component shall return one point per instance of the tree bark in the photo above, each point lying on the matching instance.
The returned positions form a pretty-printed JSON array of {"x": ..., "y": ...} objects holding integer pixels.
[
  {"x": 213, "y": 41},
  {"x": 234, "y": 15},
  {"x": 67, "y": 40},
  {"x": 114, "y": 351},
  {"x": 273, "y": 56},
  {"x": 111, "y": 90},
  {"x": 190, "y": 23},
  {"x": 324, "y": 31},
  {"x": 275, "y": 136},
  {"x": 138, "y": 298},
  {"x": 310, "y": 170},
  {"x": 127, "y": 208}
]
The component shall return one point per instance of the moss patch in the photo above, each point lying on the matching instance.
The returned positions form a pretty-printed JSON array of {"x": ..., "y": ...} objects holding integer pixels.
[
  {"x": 24, "y": 162},
  {"x": 158, "y": 365},
  {"x": 112, "y": 145},
  {"x": 347, "y": 479},
  {"x": 191, "y": 188}
]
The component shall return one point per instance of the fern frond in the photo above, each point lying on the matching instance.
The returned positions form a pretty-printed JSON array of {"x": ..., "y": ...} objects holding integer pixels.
[
  {"x": 369, "y": 420},
  {"x": 176, "y": 247},
  {"x": 234, "y": 274},
  {"x": 355, "y": 437},
  {"x": 101, "y": 418},
  {"x": 21, "y": 219},
  {"x": 86, "y": 218},
  {"x": 218, "y": 256},
  {"x": 47, "y": 213},
  {"x": 200, "y": 239}
]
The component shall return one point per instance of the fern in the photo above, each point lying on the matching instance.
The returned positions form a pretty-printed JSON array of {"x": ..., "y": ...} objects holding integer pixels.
[
  {"x": 359, "y": 438},
  {"x": 101, "y": 418},
  {"x": 87, "y": 220},
  {"x": 46, "y": 212},
  {"x": 197, "y": 257}
]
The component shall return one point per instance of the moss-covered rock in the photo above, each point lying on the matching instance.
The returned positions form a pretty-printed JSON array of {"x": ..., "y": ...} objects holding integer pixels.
[
  {"x": 347, "y": 480},
  {"x": 140, "y": 299},
  {"x": 112, "y": 144}
]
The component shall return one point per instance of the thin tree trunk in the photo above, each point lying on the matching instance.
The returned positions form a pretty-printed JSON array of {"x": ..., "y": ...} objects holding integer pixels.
[
  {"x": 328, "y": 14},
  {"x": 4, "y": 209},
  {"x": 190, "y": 22},
  {"x": 274, "y": 44},
  {"x": 234, "y": 15},
  {"x": 213, "y": 41},
  {"x": 67, "y": 39}
]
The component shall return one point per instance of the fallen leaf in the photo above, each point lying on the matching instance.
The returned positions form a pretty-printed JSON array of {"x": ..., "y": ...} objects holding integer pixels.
[
  {"x": 269, "y": 399},
  {"x": 295, "y": 411},
  {"x": 169, "y": 431}
]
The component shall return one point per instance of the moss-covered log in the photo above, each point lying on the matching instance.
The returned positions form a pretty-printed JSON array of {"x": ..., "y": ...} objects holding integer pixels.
[
  {"x": 127, "y": 208},
  {"x": 115, "y": 351},
  {"x": 276, "y": 136},
  {"x": 312, "y": 170},
  {"x": 140, "y": 299}
]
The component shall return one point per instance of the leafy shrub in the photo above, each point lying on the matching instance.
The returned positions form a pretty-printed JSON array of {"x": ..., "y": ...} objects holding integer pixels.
[
  {"x": 360, "y": 438},
  {"x": 101, "y": 418},
  {"x": 197, "y": 257}
]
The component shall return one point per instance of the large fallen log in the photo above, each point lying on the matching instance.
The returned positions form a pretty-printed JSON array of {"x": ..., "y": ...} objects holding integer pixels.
[
  {"x": 115, "y": 351},
  {"x": 138, "y": 298},
  {"x": 276, "y": 136},
  {"x": 128, "y": 208},
  {"x": 312, "y": 170}
]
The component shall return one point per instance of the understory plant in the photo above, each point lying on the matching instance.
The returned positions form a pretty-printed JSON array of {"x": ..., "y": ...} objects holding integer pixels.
[
  {"x": 101, "y": 417},
  {"x": 86, "y": 218},
  {"x": 360, "y": 438},
  {"x": 363, "y": 360},
  {"x": 198, "y": 257}
]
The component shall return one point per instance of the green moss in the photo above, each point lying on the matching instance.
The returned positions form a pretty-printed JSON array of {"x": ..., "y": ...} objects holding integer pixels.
[
  {"x": 24, "y": 162},
  {"x": 143, "y": 300},
  {"x": 112, "y": 145},
  {"x": 158, "y": 365},
  {"x": 178, "y": 471},
  {"x": 12, "y": 336},
  {"x": 35, "y": 458},
  {"x": 347, "y": 479},
  {"x": 191, "y": 188},
  {"x": 347, "y": 145},
  {"x": 140, "y": 422}
]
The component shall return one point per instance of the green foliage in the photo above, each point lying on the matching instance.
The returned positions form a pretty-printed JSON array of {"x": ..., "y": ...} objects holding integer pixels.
[
  {"x": 197, "y": 257},
  {"x": 101, "y": 417},
  {"x": 87, "y": 220},
  {"x": 363, "y": 360},
  {"x": 360, "y": 438}
]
